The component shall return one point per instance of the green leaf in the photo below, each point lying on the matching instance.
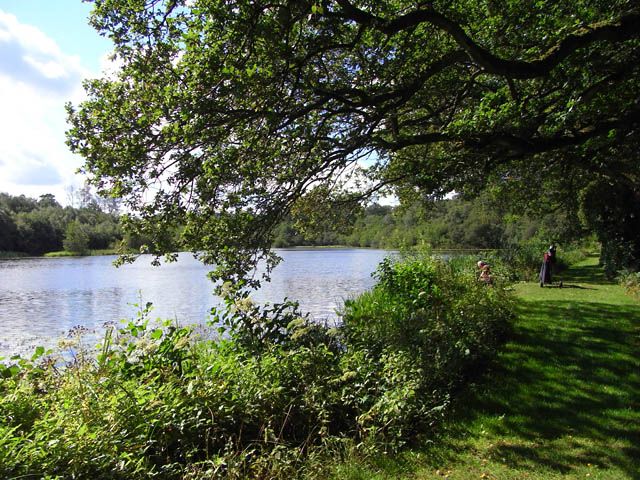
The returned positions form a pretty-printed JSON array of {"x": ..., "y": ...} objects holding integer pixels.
[{"x": 38, "y": 353}]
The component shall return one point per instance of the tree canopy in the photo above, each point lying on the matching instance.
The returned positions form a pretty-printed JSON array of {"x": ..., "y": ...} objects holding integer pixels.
[
  {"x": 227, "y": 115},
  {"x": 37, "y": 226}
]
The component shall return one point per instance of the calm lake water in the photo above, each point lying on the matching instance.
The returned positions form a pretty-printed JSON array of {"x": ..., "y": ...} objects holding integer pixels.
[{"x": 41, "y": 299}]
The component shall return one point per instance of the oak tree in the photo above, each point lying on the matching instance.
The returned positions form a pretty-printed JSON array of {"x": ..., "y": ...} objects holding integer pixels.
[{"x": 225, "y": 114}]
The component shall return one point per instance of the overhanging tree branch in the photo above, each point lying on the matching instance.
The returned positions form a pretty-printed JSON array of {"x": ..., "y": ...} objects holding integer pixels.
[
  {"x": 626, "y": 28},
  {"x": 260, "y": 102}
]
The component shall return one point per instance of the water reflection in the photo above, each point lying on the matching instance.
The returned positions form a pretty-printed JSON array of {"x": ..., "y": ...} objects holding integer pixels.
[{"x": 43, "y": 298}]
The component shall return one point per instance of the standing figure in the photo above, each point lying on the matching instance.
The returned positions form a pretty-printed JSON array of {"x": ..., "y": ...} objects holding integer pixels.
[{"x": 548, "y": 259}]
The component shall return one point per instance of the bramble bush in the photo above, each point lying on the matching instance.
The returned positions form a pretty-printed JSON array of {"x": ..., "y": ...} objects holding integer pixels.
[
  {"x": 271, "y": 391},
  {"x": 631, "y": 282},
  {"x": 428, "y": 325}
]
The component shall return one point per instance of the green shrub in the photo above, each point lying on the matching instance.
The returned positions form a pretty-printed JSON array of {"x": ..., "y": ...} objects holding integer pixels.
[
  {"x": 523, "y": 261},
  {"x": 631, "y": 282},
  {"x": 426, "y": 327},
  {"x": 76, "y": 238}
]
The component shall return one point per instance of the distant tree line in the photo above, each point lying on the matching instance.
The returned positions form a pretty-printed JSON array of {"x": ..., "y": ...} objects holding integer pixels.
[
  {"x": 479, "y": 223},
  {"x": 42, "y": 225},
  {"x": 38, "y": 226}
]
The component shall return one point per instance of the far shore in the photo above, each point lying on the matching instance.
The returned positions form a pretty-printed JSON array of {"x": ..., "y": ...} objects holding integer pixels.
[
  {"x": 103, "y": 252},
  {"x": 61, "y": 253}
]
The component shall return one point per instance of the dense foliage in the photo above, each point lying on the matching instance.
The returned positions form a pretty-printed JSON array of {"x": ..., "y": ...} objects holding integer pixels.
[
  {"x": 631, "y": 282},
  {"x": 37, "y": 226},
  {"x": 457, "y": 223},
  {"x": 275, "y": 389},
  {"x": 228, "y": 115},
  {"x": 482, "y": 224},
  {"x": 613, "y": 209}
]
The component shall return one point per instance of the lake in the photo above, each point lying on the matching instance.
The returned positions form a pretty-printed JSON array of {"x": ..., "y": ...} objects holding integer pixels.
[{"x": 41, "y": 299}]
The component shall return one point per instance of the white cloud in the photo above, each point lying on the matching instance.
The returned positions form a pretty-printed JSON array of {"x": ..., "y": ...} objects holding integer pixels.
[
  {"x": 48, "y": 69},
  {"x": 36, "y": 80},
  {"x": 35, "y": 172},
  {"x": 29, "y": 56}
]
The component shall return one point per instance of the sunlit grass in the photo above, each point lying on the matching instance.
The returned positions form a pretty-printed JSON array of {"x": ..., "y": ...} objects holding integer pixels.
[
  {"x": 563, "y": 400},
  {"x": 64, "y": 253}
]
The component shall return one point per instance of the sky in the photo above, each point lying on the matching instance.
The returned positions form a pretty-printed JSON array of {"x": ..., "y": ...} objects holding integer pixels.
[{"x": 46, "y": 49}]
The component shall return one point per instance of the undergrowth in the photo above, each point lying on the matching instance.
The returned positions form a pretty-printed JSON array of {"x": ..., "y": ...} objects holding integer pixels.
[
  {"x": 631, "y": 283},
  {"x": 523, "y": 261}
]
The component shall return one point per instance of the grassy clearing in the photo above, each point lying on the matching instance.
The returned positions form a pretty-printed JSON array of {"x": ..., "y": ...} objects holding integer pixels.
[{"x": 562, "y": 402}]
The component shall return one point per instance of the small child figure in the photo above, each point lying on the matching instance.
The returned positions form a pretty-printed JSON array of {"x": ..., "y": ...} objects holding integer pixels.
[{"x": 485, "y": 273}]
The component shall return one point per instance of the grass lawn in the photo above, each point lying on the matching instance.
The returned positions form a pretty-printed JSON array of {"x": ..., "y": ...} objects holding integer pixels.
[{"x": 562, "y": 402}]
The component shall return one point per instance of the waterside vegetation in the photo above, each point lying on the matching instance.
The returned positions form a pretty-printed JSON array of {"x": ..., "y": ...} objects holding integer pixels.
[
  {"x": 272, "y": 393},
  {"x": 33, "y": 227},
  {"x": 66, "y": 253},
  {"x": 43, "y": 227}
]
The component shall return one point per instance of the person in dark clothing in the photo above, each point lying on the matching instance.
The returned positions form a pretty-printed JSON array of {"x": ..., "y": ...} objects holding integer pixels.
[{"x": 548, "y": 262}]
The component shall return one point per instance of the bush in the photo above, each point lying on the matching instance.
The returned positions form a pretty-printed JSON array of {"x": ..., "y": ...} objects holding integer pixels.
[
  {"x": 76, "y": 238},
  {"x": 426, "y": 327},
  {"x": 523, "y": 261},
  {"x": 631, "y": 282}
]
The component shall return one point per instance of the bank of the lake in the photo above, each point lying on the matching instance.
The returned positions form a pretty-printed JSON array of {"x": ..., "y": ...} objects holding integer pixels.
[
  {"x": 559, "y": 401},
  {"x": 116, "y": 251},
  {"x": 90, "y": 253},
  {"x": 6, "y": 254},
  {"x": 562, "y": 401},
  {"x": 64, "y": 253}
]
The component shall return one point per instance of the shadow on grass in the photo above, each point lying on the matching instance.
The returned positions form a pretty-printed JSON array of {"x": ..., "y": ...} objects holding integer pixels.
[
  {"x": 566, "y": 392},
  {"x": 583, "y": 274},
  {"x": 568, "y": 285}
]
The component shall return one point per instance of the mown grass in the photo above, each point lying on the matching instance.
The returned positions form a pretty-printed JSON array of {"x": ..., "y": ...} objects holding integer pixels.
[{"x": 563, "y": 399}]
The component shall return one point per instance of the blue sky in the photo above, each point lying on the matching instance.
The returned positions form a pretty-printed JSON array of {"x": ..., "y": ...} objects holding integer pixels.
[{"x": 46, "y": 49}]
